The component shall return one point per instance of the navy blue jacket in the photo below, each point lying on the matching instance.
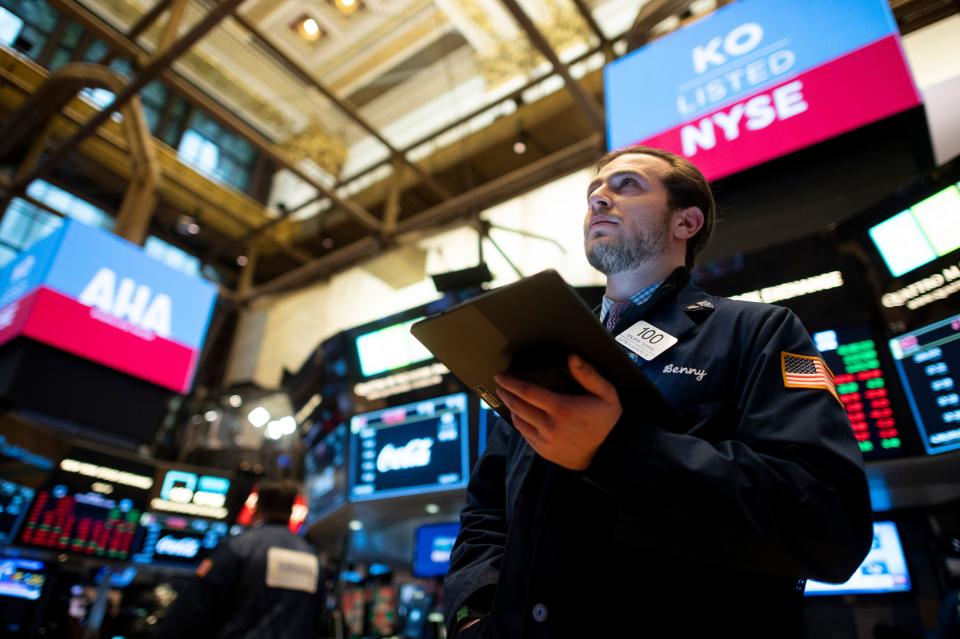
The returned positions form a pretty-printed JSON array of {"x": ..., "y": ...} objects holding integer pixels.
[
  {"x": 231, "y": 600},
  {"x": 707, "y": 524}
]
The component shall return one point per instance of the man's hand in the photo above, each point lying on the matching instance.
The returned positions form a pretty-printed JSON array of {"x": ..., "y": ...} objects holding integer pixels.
[{"x": 565, "y": 429}]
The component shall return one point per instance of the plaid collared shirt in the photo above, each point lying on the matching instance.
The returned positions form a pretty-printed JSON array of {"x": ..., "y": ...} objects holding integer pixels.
[{"x": 636, "y": 299}]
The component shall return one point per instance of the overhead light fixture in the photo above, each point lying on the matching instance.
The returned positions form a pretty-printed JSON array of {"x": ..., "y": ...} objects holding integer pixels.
[
  {"x": 355, "y": 525},
  {"x": 242, "y": 260},
  {"x": 187, "y": 225},
  {"x": 211, "y": 415},
  {"x": 258, "y": 417},
  {"x": 432, "y": 509},
  {"x": 520, "y": 147},
  {"x": 280, "y": 427},
  {"x": 235, "y": 401},
  {"x": 327, "y": 243},
  {"x": 308, "y": 28},
  {"x": 347, "y": 7}
]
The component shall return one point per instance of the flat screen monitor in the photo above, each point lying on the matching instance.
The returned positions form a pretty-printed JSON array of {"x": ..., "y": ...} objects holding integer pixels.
[
  {"x": 22, "y": 578},
  {"x": 928, "y": 361},
  {"x": 14, "y": 502},
  {"x": 186, "y": 492},
  {"x": 883, "y": 571},
  {"x": 91, "y": 505},
  {"x": 390, "y": 348},
  {"x": 325, "y": 474},
  {"x": 409, "y": 449},
  {"x": 177, "y": 539},
  {"x": 921, "y": 233},
  {"x": 432, "y": 548},
  {"x": 863, "y": 385}
]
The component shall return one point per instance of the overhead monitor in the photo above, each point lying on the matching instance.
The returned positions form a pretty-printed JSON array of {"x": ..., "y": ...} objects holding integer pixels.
[
  {"x": 928, "y": 361},
  {"x": 22, "y": 578},
  {"x": 14, "y": 502},
  {"x": 920, "y": 234},
  {"x": 432, "y": 548},
  {"x": 756, "y": 80},
  {"x": 177, "y": 539},
  {"x": 325, "y": 474},
  {"x": 91, "y": 505},
  {"x": 390, "y": 348},
  {"x": 884, "y": 570},
  {"x": 414, "y": 448},
  {"x": 191, "y": 493},
  {"x": 863, "y": 385}
]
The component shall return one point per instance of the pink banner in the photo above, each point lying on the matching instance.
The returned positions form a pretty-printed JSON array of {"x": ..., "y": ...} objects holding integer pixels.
[
  {"x": 856, "y": 89},
  {"x": 66, "y": 324}
]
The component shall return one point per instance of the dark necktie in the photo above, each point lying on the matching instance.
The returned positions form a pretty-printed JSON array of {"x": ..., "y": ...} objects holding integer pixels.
[{"x": 616, "y": 312}]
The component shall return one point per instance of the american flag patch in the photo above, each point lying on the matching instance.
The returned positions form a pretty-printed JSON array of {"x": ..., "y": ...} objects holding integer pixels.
[{"x": 805, "y": 371}]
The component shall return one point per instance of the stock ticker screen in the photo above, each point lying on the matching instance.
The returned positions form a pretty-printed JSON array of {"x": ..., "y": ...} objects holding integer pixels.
[
  {"x": 14, "y": 502},
  {"x": 325, "y": 474},
  {"x": 177, "y": 539},
  {"x": 409, "y": 449},
  {"x": 928, "y": 360},
  {"x": 91, "y": 505},
  {"x": 863, "y": 386}
]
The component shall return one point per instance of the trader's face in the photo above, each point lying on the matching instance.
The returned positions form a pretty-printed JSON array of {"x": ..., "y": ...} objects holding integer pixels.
[{"x": 628, "y": 220}]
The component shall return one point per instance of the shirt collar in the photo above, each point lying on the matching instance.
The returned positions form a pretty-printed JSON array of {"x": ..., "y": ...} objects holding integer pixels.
[{"x": 636, "y": 299}]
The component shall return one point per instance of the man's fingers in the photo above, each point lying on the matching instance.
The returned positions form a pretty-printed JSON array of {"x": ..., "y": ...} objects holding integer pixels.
[
  {"x": 518, "y": 407},
  {"x": 590, "y": 379},
  {"x": 527, "y": 431},
  {"x": 534, "y": 395}
]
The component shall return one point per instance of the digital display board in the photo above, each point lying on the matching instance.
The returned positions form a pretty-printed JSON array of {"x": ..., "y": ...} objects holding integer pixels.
[
  {"x": 927, "y": 230},
  {"x": 390, "y": 348},
  {"x": 21, "y": 578},
  {"x": 432, "y": 548},
  {"x": 93, "y": 294},
  {"x": 191, "y": 493},
  {"x": 14, "y": 502},
  {"x": 928, "y": 360},
  {"x": 91, "y": 506},
  {"x": 414, "y": 448},
  {"x": 863, "y": 387},
  {"x": 884, "y": 569},
  {"x": 176, "y": 539},
  {"x": 756, "y": 80},
  {"x": 325, "y": 474}
]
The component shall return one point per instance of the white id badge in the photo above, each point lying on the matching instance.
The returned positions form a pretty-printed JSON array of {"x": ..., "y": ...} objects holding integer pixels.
[
  {"x": 646, "y": 340},
  {"x": 292, "y": 570}
]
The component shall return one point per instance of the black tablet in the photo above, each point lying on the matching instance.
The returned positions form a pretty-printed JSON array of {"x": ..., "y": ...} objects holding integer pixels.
[{"x": 529, "y": 329}]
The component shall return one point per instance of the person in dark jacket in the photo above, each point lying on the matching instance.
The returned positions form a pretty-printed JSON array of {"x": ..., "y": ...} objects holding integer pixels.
[
  {"x": 585, "y": 519},
  {"x": 266, "y": 582}
]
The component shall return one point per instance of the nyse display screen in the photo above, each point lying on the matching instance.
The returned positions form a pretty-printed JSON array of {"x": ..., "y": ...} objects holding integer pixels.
[
  {"x": 928, "y": 360},
  {"x": 14, "y": 502},
  {"x": 176, "y": 539},
  {"x": 863, "y": 385},
  {"x": 90, "y": 506},
  {"x": 413, "y": 448},
  {"x": 432, "y": 548},
  {"x": 325, "y": 474}
]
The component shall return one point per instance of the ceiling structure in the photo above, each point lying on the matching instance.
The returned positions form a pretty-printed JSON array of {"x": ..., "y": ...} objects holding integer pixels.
[{"x": 400, "y": 116}]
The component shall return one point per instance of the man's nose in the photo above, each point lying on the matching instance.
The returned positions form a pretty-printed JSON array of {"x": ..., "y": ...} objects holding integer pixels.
[{"x": 599, "y": 200}]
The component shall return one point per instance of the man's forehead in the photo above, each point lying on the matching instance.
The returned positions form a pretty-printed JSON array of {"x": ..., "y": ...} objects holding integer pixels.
[{"x": 642, "y": 162}]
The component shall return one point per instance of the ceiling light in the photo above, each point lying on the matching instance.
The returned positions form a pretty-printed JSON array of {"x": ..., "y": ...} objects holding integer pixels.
[
  {"x": 432, "y": 509},
  {"x": 242, "y": 260},
  {"x": 327, "y": 243},
  {"x": 258, "y": 417},
  {"x": 347, "y": 7},
  {"x": 211, "y": 415},
  {"x": 235, "y": 401},
  {"x": 519, "y": 147},
  {"x": 280, "y": 427},
  {"x": 355, "y": 525},
  {"x": 309, "y": 29},
  {"x": 193, "y": 228}
]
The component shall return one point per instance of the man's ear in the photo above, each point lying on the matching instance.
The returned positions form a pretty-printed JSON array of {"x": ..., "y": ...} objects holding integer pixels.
[{"x": 687, "y": 222}]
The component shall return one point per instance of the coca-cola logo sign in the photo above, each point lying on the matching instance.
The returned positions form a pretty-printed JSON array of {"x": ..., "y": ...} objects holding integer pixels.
[
  {"x": 178, "y": 546},
  {"x": 413, "y": 454}
]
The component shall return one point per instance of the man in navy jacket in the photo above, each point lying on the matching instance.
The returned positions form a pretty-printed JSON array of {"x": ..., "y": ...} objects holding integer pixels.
[{"x": 583, "y": 520}]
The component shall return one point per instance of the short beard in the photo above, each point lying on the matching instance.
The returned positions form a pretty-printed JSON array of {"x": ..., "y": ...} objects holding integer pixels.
[{"x": 616, "y": 256}]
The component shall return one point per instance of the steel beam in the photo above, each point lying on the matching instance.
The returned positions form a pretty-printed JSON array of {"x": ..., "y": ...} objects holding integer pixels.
[
  {"x": 573, "y": 157},
  {"x": 182, "y": 86},
  {"x": 587, "y": 16},
  {"x": 586, "y": 102},
  {"x": 342, "y": 104}
]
